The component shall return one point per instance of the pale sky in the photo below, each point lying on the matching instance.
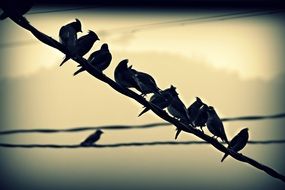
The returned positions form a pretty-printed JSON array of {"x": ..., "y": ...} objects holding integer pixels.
[
  {"x": 249, "y": 47},
  {"x": 235, "y": 66}
]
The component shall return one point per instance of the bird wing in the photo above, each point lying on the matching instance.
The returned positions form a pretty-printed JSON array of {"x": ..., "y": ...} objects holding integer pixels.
[
  {"x": 222, "y": 131},
  {"x": 240, "y": 142},
  {"x": 146, "y": 81},
  {"x": 63, "y": 35},
  {"x": 93, "y": 56},
  {"x": 91, "y": 139},
  {"x": 234, "y": 141},
  {"x": 101, "y": 60}
]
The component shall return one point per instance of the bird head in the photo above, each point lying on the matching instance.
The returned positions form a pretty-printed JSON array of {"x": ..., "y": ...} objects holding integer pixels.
[
  {"x": 210, "y": 110},
  {"x": 99, "y": 131},
  {"x": 104, "y": 46},
  {"x": 199, "y": 100},
  {"x": 123, "y": 64},
  {"x": 77, "y": 25},
  {"x": 93, "y": 35},
  {"x": 205, "y": 107},
  {"x": 172, "y": 87},
  {"x": 173, "y": 91}
]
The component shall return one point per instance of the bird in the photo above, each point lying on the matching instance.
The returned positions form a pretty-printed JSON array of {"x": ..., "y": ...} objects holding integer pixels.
[
  {"x": 83, "y": 45},
  {"x": 15, "y": 9},
  {"x": 161, "y": 100},
  {"x": 194, "y": 108},
  {"x": 68, "y": 35},
  {"x": 100, "y": 59},
  {"x": 145, "y": 82},
  {"x": 238, "y": 142},
  {"x": 215, "y": 125},
  {"x": 178, "y": 110},
  {"x": 91, "y": 139},
  {"x": 202, "y": 117},
  {"x": 124, "y": 76}
]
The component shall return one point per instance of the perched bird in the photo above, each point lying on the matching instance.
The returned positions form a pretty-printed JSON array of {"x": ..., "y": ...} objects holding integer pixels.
[
  {"x": 201, "y": 118},
  {"x": 145, "y": 82},
  {"x": 83, "y": 45},
  {"x": 162, "y": 100},
  {"x": 178, "y": 110},
  {"x": 194, "y": 108},
  {"x": 100, "y": 59},
  {"x": 94, "y": 137},
  {"x": 68, "y": 35},
  {"x": 215, "y": 125},
  {"x": 124, "y": 76},
  {"x": 238, "y": 142},
  {"x": 15, "y": 9}
]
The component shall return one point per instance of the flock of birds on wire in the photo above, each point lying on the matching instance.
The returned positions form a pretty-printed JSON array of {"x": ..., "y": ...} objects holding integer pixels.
[{"x": 197, "y": 115}]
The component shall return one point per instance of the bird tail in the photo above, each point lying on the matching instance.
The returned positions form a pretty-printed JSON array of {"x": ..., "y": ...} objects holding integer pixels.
[
  {"x": 226, "y": 140},
  {"x": 224, "y": 157},
  {"x": 177, "y": 133},
  {"x": 84, "y": 143},
  {"x": 145, "y": 110},
  {"x": 65, "y": 59},
  {"x": 78, "y": 71}
]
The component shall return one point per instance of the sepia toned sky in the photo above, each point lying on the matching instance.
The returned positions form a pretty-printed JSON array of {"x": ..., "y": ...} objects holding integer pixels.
[{"x": 234, "y": 65}]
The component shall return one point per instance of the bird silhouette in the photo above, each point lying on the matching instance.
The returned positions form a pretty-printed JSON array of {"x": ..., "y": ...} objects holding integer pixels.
[
  {"x": 201, "y": 118},
  {"x": 91, "y": 139},
  {"x": 215, "y": 125},
  {"x": 124, "y": 76},
  {"x": 145, "y": 82},
  {"x": 238, "y": 142},
  {"x": 100, "y": 59},
  {"x": 162, "y": 100},
  {"x": 15, "y": 9},
  {"x": 83, "y": 45},
  {"x": 68, "y": 35},
  {"x": 194, "y": 108},
  {"x": 178, "y": 110}
]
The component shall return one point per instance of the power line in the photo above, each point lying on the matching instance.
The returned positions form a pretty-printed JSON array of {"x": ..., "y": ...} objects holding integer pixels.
[
  {"x": 127, "y": 127},
  {"x": 185, "y": 21},
  {"x": 132, "y": 144},
  {"x": 65, "y": 9},
  {"x": 222, "y": 17}
]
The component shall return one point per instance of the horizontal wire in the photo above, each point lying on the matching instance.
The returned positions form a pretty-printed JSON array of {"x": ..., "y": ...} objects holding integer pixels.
[
  {"x": 125, "y": 127},
  {"x": 133, "y": 144}
]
